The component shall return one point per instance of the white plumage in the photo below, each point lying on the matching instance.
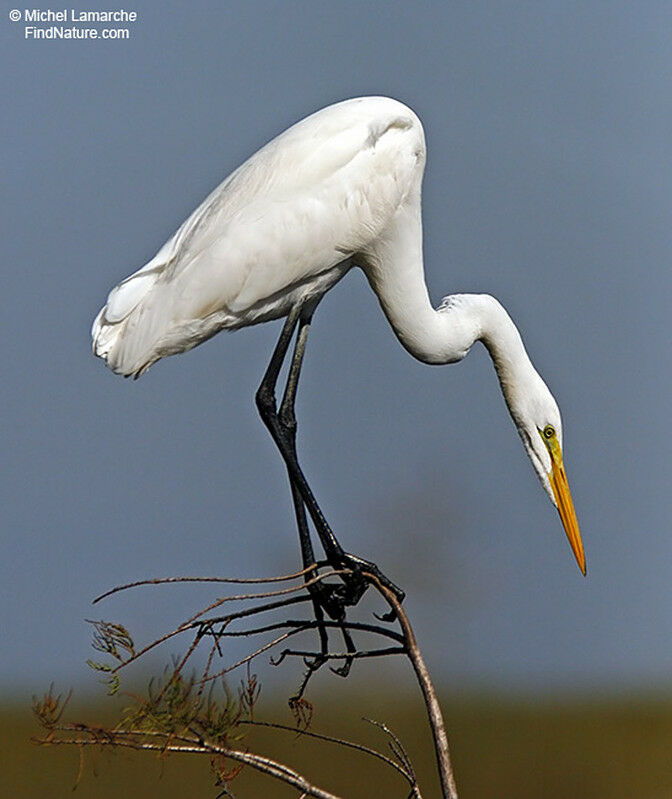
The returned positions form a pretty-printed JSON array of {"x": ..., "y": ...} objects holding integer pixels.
[
  {"x": 341, "y": 188},
  {"x": 277, "y": 229}
]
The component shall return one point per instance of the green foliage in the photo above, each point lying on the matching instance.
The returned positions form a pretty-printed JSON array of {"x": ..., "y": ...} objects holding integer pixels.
[
  {"x": 112, "y": 680},
  {"x": 114, "y": 640},
  {"x": 201, "y": 713},
  {"x": 178, "y": 705}
]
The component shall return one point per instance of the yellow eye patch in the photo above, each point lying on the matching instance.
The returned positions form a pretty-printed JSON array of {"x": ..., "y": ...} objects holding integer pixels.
[
  {"x": 548, "y": 431},
  {"x": 551, "y": 440}
]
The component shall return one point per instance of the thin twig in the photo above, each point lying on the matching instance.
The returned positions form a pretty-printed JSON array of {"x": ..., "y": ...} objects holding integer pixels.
[
  {"x": 247, "y": 658},
  {"x": 357, "y": 655},
  {"x": 232, "y": 580},
  {"x": 400, "y": 753},
  {"x": 292, "y": 589},
  {"x": 403, "y": 769},
  {"x": 192, "y": 621},
  {"x": 297, "y": 624}
]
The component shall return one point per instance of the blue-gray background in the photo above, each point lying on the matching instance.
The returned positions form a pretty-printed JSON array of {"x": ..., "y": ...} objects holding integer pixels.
[{"x": 548, "y": 184}]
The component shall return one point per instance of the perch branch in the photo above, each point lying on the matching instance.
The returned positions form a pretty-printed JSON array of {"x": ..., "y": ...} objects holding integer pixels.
[
  {"x": 174, "y": 702},
  {"x": 446, "y": 776}
]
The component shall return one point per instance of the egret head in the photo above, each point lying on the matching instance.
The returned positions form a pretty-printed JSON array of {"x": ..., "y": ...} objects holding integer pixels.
[{"x": 537, "y": 417}]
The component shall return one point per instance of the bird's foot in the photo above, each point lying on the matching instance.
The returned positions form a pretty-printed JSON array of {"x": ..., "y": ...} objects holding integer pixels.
[
  {"x": 366, "y": 568},
  {"x": 335, "y": 598}
]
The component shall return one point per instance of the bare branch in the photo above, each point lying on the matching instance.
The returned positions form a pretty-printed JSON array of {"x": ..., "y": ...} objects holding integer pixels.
[
  {"x": 200, "y": 746},
  {"x": 300, "y": 625},
  {"x": 404, "y": 767},
  {"x": 400, "y": 754},
  {"x": 192, "y": 622},
  {"x": 180, "y": 706},
  {"x": 230, "y": 580},
  {"x": 358, "y": 655},
  {"x": 439, "y": 734}
]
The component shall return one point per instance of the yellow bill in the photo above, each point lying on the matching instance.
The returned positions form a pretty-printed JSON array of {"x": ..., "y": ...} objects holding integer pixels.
[{"x": 563, "y": 498}]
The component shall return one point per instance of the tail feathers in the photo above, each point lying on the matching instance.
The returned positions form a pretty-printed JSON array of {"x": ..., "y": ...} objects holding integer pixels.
[{"x": 118, "y": 339}]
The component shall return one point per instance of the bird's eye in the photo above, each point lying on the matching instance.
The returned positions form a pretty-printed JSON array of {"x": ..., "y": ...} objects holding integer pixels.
[{"x": 549, "y": 431}]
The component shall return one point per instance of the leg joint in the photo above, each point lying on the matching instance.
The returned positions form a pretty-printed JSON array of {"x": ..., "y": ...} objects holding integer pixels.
[{"x": 265, "y": 400}]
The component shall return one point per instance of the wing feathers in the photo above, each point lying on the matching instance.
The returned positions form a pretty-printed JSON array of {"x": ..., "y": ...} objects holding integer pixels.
[{"x": 318, "y": 192}]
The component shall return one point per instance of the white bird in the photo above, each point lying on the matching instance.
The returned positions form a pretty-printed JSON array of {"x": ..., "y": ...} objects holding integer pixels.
[{"x": 339, "y": 189}]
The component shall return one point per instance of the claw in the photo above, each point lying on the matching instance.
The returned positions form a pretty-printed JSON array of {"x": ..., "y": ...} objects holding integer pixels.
[
  {"x": 344, "y": 670},
  {"x": 277, "y": 661},
  {"x": 389, "y": 617}
]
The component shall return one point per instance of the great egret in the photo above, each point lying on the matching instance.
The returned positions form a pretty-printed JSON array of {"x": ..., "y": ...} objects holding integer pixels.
[{"x": 339, "y": 189}]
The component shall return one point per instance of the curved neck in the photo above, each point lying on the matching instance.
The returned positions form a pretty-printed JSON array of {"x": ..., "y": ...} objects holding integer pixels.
[{"x": 394, "y": 267}]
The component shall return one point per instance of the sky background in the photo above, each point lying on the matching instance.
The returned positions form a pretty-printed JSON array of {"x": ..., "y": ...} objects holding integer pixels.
[{"x": 547, "y": 184}]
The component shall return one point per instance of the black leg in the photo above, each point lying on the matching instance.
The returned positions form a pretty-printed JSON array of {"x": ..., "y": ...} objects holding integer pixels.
[
  {"x": 323, "y": 596},
  {"x": 282, "y": 427},
  {"x": 266, "y": 403},
  {"x": 287, "y": 420}
]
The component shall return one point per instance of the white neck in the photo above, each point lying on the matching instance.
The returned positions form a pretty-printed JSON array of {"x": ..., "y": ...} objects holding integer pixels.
[{"x": 394, "y": 268}]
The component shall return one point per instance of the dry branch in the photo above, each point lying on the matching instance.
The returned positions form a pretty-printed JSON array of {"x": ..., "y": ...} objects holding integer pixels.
[
  {"x": 439, "y": 734},
  {"x": 179, "y": 716}
]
